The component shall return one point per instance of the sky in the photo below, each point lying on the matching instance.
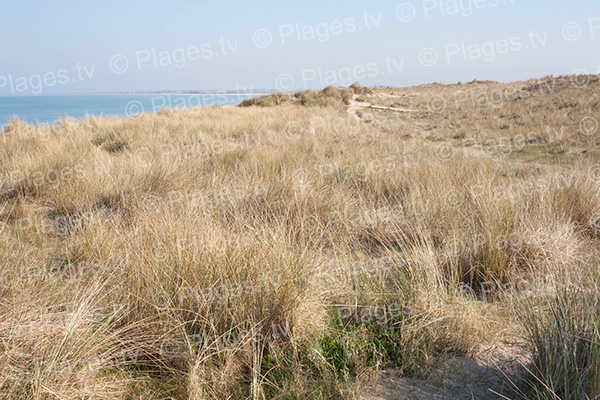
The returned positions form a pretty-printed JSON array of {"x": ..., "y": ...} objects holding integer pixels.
[{"x": 105, "y": 46}]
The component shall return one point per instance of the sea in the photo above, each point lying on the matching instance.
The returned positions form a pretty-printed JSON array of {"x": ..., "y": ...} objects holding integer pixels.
[{"x": 46, "y": 110}]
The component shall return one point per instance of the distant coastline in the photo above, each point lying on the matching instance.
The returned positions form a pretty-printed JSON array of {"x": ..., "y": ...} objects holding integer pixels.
[
  {"x": 240, "y": 92},
  {"x": 49, "y": 108}
]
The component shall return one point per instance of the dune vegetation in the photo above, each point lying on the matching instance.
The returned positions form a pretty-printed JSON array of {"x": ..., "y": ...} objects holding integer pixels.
[{"x": 300, "y": 244}]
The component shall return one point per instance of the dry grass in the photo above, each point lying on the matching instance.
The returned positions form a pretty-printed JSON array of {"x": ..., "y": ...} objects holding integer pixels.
[
  {"x": 544, "y": 120},
  {"x": 282, "y": 251}
]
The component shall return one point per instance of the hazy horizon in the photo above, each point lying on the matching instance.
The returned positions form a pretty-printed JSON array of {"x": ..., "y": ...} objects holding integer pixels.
[{"x": 241, "y": 91}]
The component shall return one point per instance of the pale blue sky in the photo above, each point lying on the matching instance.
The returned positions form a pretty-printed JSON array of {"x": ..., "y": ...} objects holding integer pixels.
[{"x": 255, "y": 44}]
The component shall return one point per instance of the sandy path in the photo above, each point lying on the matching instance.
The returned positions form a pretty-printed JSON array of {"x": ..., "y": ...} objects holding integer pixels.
[{"x": 488, "y": 375}]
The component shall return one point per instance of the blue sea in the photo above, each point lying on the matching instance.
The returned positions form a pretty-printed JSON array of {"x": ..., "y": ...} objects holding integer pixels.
[{"x": 47, "y": 109}]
